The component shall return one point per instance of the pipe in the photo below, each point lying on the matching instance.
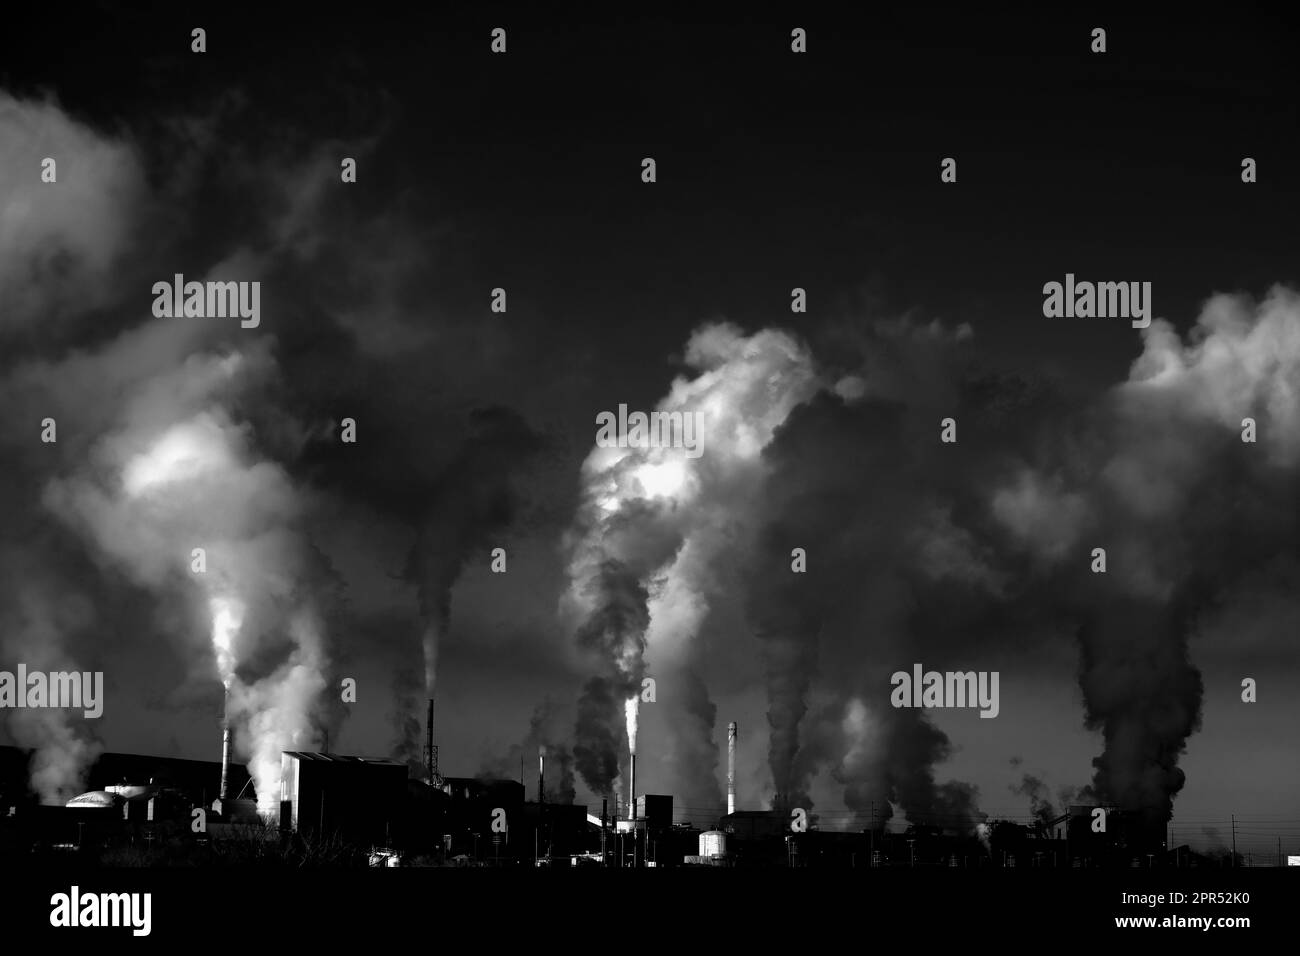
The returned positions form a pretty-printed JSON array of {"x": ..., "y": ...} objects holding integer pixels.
[{"x": 731, "y": 768}]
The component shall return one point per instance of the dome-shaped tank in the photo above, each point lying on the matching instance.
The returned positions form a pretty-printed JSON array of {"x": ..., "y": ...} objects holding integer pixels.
[{"x": 95, "y": 798}]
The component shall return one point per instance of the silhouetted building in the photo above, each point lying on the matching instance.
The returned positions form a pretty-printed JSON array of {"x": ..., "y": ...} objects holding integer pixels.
[{"x": 355, "y": 799}]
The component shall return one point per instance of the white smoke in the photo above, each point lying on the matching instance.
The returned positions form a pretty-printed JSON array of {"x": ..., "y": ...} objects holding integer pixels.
[
  {"x": 664, "y": 518},
  {"x": 176, "y": 474},
  {"x": 62, "y": 245},
  {"x": 60, "y": 242},
  {"x": 34, "y": 633},
  {"x": 631, "y": 709},
  {"x": 431, "y": 639},
  {"x": 1242, "y": 359}
]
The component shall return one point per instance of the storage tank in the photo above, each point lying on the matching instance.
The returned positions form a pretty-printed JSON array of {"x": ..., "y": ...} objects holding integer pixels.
[
  {"x": 713, "y": 843},
  {"x": 97, "y": 799}
]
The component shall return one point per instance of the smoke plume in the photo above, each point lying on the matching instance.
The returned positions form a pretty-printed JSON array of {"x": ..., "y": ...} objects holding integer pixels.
[
  {"x": 1040, "y": 803},
  {"x": 473, "y": 500},
  {"x": 545, "y": 735},
  {"x": 650, "y": 528},
  {"x": 177, "y": 473},
  {"x": 1187, "y": 505}
]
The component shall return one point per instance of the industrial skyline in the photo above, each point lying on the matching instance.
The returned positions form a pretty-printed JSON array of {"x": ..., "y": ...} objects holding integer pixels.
[{"x": 871, "y": 424}]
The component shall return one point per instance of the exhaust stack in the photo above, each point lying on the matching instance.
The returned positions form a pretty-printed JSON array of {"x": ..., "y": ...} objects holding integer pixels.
[
  {"x": 541, "y": 775},
  {"x": 731, "y": 768},
  {"x": 225, "y": 749},
  {"x": 431, "y": 750},
  {"x": 631, "y": 789}
]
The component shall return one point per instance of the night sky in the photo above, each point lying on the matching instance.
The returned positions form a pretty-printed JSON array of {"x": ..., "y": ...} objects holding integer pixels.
[{"x": 775, "y": 170}]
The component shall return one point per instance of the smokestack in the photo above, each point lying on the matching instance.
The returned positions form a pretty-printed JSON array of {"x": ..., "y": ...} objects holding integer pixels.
[
  {"x": 431, "y": 751},
  {"x": 225, "y": 750},
  {"x": 631, "y": 791},
  {"x": 541, "y": 775},
  {"x": 731, "y": 768}
]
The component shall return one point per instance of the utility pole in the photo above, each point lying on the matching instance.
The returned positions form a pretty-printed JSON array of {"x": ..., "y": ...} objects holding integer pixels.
[{"x": 1234, "y": 839}]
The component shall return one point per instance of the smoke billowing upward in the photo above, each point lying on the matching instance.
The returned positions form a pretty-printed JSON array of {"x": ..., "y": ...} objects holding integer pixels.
[
  {"x": 1187, "y": 513},
  {"x": 407, "y": 748},
  {"x": 631, "y": 712},
  {"x": 1040, "y": 803},
  {"x": 61, "y": 255},
  {"x": 176, "y": 495},
  {"x": 545, "y": 735},
  {"x": 692, "y": 717},
  {"x": 37, "y": 620},
  {"x": 1143, "y": 694},
  {"x": 474, "y": 499},
  {"x": 653, "y": 518}
]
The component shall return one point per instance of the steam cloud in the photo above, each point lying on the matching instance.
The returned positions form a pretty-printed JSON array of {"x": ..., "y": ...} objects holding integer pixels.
[
  {"x": 178, "y": 473},
  {"x": 644, "y": 550},
  {"x": 167, "y": 437},
  {"x": 60, "y": 252}
]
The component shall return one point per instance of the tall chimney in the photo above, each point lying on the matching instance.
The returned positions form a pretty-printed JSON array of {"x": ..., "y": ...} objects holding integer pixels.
[
  {"x": 431, "y": 751},
  {"x": 541, "y": 775},
  {"x": 225, "y": 750},
  {"x": 631, "y": 789},
  {"x": 731, "y": 768}
]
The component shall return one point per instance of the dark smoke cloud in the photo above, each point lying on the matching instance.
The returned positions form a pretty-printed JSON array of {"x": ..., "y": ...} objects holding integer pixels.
[
  {"x": 920, "y": 552},
  {"x": 598, "y": 732},
  {"x": 659, "y": 519},
  {"x": 848, "y": 484},
  {"x": 613, "y": 634},
  {"x": 408, "y": 733},
  {"x": 545, "y": 735},
  {"x": 692, "y": 717},
  {"x": 1040, "y": 804},
  {"x": 470, "y": 505}
]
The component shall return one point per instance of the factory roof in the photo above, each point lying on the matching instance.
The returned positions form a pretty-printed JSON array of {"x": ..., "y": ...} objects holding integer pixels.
[{"x": 339, "y": 758}]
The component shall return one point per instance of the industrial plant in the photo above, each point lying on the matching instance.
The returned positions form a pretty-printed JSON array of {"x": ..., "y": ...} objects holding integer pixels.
[{"x": 335, "y": 809}]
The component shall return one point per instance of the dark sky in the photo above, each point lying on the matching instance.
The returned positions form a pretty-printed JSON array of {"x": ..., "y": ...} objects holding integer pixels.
[{"x": 775, "y": 170}]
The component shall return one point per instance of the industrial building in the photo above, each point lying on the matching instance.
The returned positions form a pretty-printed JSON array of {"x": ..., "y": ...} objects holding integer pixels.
[
  {"x": 374, "y": 808},
  {"x": 355, "y": 800}
]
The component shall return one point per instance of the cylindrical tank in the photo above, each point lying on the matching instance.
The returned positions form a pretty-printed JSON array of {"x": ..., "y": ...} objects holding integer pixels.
[{"x": 713, "y": 843}]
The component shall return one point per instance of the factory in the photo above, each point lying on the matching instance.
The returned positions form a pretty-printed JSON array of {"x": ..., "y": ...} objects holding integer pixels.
[{"x": 347, "y": 810}]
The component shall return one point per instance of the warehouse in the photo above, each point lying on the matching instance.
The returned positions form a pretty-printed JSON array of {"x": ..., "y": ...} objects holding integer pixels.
[{"x": 357, "y": 800}]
